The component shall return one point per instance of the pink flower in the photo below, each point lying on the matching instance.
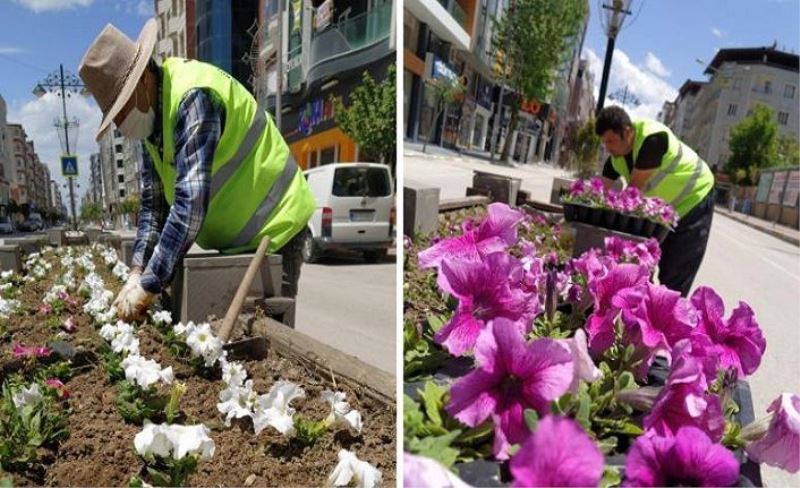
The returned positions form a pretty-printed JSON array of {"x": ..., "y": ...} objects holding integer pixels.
[
  {"x": 496, "y": 233},
  {"x": 420, "y": 471},
  {"x": 585, "y": 369},
  {"x": 559, "y": 453},
  {"x": 781, "y": 445},
  {"x": 600, "y": 324},
  {"x": 69, "y": 325},
  {"x": 56, "y": 384},
  {"x": 684, "y": 400},
  {"x": 511, "y": 375},
  {"x": 738, "y": 341},
  {"x": 21, "y": 350},
  {"x": 484, "y": 292},
  {"x": 45, "y": 309},
  {"x": 688, "y": 459}
]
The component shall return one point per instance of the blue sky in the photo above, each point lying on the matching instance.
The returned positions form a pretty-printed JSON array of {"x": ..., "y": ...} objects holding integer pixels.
[
  {"x": 35, "y": 37},
  {"x": 656, "y": 50}
]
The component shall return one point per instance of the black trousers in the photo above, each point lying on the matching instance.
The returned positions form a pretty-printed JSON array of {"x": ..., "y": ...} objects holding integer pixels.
[
  {"x": 292, "y": 254},
  {"x": 683, "y": 250}
]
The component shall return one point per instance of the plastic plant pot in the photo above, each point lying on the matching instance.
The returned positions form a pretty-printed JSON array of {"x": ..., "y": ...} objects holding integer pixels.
[
  {"x": 570, "y": 212},
  {"x": 635, "y": 226},
  {"x": 582, "y": 213},
  {"x": 649, "y": 228},
  {"x": 622, "y": 222},
  {"x": 661, "y": 233},
  {"x": 595, "y": 215},
  {"x": 609, "y": 218}
]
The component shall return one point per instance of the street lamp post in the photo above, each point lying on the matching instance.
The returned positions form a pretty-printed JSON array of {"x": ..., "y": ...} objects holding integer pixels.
[
  {"x": 61, "y": 83},
  {"x": 616, "y": 16}
]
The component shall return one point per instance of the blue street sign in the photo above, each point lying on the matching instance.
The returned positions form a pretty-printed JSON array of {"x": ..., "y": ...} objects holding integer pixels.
[{"x": 69, "y": 165}]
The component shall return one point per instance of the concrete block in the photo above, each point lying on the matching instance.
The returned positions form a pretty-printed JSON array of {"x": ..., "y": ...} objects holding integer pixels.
[
  {"x": 589, "y": 236},
  {"x": 28, "y": 244},
  {"x": 420, "y": 208},
  {"x": 560, "y": 185},
  {"x": 57, "y": 236},
  {"x": 204, "y": 284},
  {"x": 10, "y": 258},
  {"x": 465, "y": 202},
  {"x": 503, "y": 189},
  {"x": 92, "y": 234},
  {"x": 126, "y": 250}
]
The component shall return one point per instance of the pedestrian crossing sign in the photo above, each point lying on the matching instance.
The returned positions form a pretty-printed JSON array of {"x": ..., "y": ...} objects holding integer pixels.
[{"x": 69, "y": 165}]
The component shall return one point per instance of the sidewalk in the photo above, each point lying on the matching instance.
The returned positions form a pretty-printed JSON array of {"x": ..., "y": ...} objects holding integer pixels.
[{"x": 782, "y": 232}]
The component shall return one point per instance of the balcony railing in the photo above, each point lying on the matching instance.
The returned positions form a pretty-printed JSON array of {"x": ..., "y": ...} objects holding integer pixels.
[
  {"x": 352, "y": 34},
  {"x": 456, "y": 11}
]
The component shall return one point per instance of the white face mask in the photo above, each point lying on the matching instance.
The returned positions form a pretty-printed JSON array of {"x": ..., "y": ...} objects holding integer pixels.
[{"x": 137, "y": 124}]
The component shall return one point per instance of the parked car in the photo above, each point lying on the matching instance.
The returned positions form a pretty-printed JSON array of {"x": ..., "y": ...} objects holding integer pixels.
[
  {"x": 6, "y": 227},
  {"x": 355, "y": 210},
  {"x": 33, "y": 223}
]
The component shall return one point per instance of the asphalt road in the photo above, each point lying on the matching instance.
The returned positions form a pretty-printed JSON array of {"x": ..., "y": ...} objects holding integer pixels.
[
  {"x": 350, "y": 305},
  {"x": 741, "y": 264}
]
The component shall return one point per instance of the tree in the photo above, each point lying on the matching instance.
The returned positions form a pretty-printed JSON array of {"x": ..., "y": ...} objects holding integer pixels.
[
  {"x": 788, "y": 151},
  {"x": 129, "y": 206},
  {"x": 753, "y": 145},
  {"x": 584, "y": 146},
  {"x": 532, "y": 40},
  {"x": 446, "y": 91},
  {"x": 370, "y": 119},
  {"x": 91, "y": 212}
]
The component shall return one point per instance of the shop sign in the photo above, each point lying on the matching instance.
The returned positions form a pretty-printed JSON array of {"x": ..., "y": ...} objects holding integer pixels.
[{"x": 314, "y": 113}]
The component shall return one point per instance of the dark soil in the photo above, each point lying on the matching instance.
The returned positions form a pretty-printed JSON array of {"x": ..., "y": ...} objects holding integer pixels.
[{"x": 100, "y": 452}]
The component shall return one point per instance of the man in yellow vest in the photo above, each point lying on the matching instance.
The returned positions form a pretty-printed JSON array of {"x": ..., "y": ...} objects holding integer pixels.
[
  {"x": 647, "y": 155},
  {"x": 216, "y": 171}
]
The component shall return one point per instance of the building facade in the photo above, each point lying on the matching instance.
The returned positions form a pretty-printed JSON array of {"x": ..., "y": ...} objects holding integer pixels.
[
  {"x": 739, "y": 80},
  {"x": 6, "y": 159},
  {"x": 177, "y": 29},
  {"x": 225, "y": 35}
]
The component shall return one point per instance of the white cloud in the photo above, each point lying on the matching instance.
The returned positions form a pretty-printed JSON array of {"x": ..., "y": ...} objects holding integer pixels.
[
  {"x": 717, "y": 33},
  {"x": 145, "y": 9},
  {"x": 53, "y": 5},
  {"x": 651, "y": 90},
  {"x": 37, "y": 116},
  {"x": 9, "y": 50},
  {"x": 652, "y": 63}
]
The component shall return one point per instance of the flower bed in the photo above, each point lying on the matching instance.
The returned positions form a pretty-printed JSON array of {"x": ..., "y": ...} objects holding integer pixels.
[
  {"x": 524, "y": 366},
  {"x": 160, "y": 403},
  {"x": 589, "y": 202}
]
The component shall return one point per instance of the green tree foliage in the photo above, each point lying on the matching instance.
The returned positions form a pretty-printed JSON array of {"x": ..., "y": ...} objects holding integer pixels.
[
  {"x": 446, "y": 92},
  {"x": 91, "y": 212},
  {"x": 370, "y": 119},
  {"x": 753, "y": 145},
  {"x": 788, "y": 151},
  {"x": 532, "y": 40},
  {"x": 583, "y": 146}
]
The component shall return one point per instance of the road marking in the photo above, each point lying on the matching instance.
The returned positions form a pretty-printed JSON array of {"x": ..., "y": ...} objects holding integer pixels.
[{"x": 769, "y": 261}]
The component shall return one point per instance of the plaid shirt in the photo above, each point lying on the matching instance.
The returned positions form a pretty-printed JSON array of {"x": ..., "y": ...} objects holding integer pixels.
[{"x": 166, "y": 233}]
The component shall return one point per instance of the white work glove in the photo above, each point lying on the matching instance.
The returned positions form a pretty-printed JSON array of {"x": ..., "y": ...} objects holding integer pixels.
[
  {"x": 133, "y": 280},
  {"x": 134, "y": 302}
]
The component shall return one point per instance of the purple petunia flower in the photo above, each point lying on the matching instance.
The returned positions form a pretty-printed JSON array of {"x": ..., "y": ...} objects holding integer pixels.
[
  {"x": 781, "y": 445},
  {"x": 511, "y": 375},
  {"x": 484, "y": 292},
  {"x": 655, "y": 319},
  {"x": 738, "y": 341},
  {"x": 647, "y": 253},
  {"x": 420, "y": 471},
  {"x": 21, "y": 350},
  {"x": 600, "y": 325},
  {"x": 684, "y": 400},
  {"x": 496, "y": 233},
  {"x": 688, "y": 459},
  {"x": 559, "y": 453}
]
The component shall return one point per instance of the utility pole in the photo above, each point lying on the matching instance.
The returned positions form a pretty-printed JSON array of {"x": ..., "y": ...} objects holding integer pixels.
[
  {"x": 64, "y": 84},
  {"x": 279, "y": 56},
  {"x": 616, "y": 13},
  {"x": 499, "y": 106}
]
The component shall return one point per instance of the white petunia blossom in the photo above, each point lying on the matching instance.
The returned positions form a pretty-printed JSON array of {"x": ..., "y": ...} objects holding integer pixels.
[
  {"x": 121, "y": 271},
  {"x": 122, "y": 337},
  {"x": 274, "y": 409},
  {"x": 8, "y": 307},
  {"x": 191, "y": 440},
  {"x": 162, "y": 317},
  {"x": 233, "y": 372},
  {"x": 352, "y": 471},
  {"x": 341, "y": 413},
  {"x": 145, "y": 372},
  {"x": 237, "y": 401},
  {"x": 182, "y": 329},
  {"x": 153, "y": 440},
  {"x": 6, "y": 274},
  {"x": 27, "y": 396},
  {"x": 202, "y": 341}
]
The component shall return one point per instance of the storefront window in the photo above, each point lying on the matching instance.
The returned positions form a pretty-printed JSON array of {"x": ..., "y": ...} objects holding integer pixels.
[{"x": 327, "y": 155}]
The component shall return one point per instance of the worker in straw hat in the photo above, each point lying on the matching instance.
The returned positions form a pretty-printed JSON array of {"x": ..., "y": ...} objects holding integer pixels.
[{"x": 216, "y": 170}]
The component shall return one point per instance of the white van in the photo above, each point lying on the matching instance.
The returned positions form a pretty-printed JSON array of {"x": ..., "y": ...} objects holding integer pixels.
[{"x": 355, "y": 210}]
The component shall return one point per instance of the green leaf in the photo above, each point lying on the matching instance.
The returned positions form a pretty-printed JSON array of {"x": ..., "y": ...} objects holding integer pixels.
[
  {"x": 531, "y": 419},
  {"x": 611, "y": 477},
  {"x": 626, "y": 381},
  {"x": 433, "y": 400},
  {"x": 608, "y": 444},
  {"x": 476, "y": 435},
  {"x": 438, "y": 448},
  {"x": 413, "y": 418},
  {"x": 584, "y": 408},
  {"x": 436, "y": 322}
]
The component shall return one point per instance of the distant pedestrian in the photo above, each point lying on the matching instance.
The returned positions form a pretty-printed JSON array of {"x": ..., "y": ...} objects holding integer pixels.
[
  {"x": 647, "y": 155},
  {"x": 216, "y": 171}
]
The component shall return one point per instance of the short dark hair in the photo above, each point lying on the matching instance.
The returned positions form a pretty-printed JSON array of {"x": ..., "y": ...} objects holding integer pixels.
[{"x": 612, "y": 118}]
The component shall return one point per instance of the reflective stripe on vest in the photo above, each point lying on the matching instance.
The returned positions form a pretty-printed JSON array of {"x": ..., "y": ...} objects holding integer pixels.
[
  {"x": 657, "y": 178},
  {"x": 265, "y": 208},
  {"x": 689, "y": 186},
  {"x": 226, "y": 171}
]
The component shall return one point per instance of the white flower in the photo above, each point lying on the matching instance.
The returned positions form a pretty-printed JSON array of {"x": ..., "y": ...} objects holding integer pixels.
[
  {"x": 125, "y": 343},
  {"x": 6, "y": 274},
  {"x": 27, "y": 396},
  {"x": 236, "y": 401},
  {"x": 121, "y": 271},
  {"x": 341, "y": 413},
  {"x": 233, "y": 373},
  {"x": 204, "y": 343},
  {"x": 145, "y": 372},
  {"x": 8, "y": 306},
  {"x": 162, "y": 317},
  {"x": 181, "y": 329},
  {"x": 153, "y": 440},
  {"x": 273, "y": 409},
  {"x": 351, "y": 470},
  {"x": 191, "y": 439}
]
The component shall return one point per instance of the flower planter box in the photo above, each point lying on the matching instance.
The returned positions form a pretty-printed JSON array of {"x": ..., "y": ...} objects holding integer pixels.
[
  {"x": 420, "y": 208},
  {"x": 10, "y": 258},
  {"x": 502, "y": 188},
  {"x": 590, "y": 236}
]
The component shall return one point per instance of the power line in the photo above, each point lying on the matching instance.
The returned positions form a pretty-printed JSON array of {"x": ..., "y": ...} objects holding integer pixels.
[{"x": 27, "y": 65}]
